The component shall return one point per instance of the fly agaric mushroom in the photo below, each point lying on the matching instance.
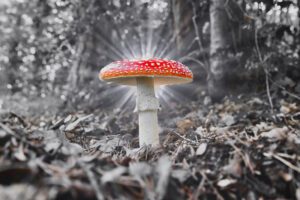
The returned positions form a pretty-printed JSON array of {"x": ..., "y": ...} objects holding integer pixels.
[{"x": 145, "y": 74}]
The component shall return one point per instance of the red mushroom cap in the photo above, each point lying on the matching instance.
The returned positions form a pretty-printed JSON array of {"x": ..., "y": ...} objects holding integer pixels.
[{"x": 164, "y": 72}]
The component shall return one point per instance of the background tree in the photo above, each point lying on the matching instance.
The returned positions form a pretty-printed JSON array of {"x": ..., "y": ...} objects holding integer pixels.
[
  {"x": 226, "y": 18},
  {"x": 46, "y": 41}
]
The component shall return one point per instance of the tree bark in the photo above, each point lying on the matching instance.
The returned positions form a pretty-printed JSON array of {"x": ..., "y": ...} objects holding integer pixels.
[
  {"x": 74, "y": 71},
  {"x": 298, "y": 3},
  {"x": 81, "y": 56},
  {"x": 182, "y": 18},
  {"x": 222, "y": 49},
  {"x": 14, "y": 59}
]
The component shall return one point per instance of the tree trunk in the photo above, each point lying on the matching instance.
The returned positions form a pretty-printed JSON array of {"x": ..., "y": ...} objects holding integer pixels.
[
  {"x": 298, "y": 3},
  {"x": 74, "y": 71},
  {"x": 81, "y": 56},
  {"x": 222, "y": 49},
  {"x": 14, "y": 58},
  {"x": 177, "y": 18},
  {"x": 182, "y": 17}
]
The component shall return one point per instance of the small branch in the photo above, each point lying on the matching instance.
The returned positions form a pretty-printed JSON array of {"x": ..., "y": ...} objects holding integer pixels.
[
  {"x": 92, "y": 180},
  {"x": 268, "y": 91},
  {"x": 186, "y": 139},
  {"x": 283, "y": 88},
  {"x": 201, "y": 64},
  {"x": 293, "y": 157},
  {"x": 265, "y": 70},
  {"x": 198, "y": 38},
  {"x": 7, "y": 129},
  {"x": 200, "y": 187},
  {"x": 287, "y": 163},
  {"x": 217, "y": 193}
]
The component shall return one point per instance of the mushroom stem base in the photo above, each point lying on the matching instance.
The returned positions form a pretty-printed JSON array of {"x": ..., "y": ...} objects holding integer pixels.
[
  {"x": 148, "y": 128},
  {"x": 147, "y": 106}
]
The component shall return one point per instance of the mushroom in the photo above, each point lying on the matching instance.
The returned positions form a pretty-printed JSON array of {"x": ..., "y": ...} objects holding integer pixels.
[{"x": 145, "y": 74}]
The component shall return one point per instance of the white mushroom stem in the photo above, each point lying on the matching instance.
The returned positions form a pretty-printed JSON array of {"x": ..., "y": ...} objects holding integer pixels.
[{"x": 147, "y": 106}]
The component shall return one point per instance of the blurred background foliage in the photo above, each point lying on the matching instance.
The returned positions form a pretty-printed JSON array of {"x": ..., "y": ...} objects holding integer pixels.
[{"x": 57, "y": 47}]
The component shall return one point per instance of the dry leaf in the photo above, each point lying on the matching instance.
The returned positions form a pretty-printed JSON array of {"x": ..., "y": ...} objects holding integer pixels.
[
  {"x": 184, "y": 125},
  {"x": 228, "y": 120},
  {"x": 234, "y": 166},
  {"x": 112, "y": 175},
  {"x": 201, "y": 149},
  {"x": 225, "y": 183},
  {"x": 74, "y": 124},
  {"x": 19, "y": 155},
  {"x": 163, "y": 170},
  {"x": 286, "y": 176},
  {"x": 276, "y": 133}
]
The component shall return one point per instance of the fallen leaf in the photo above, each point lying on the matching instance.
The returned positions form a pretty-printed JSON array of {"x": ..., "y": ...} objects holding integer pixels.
[
  {"x": 19, "y": 154},
  {"x": 19, "y": 191},
  {"x": 181, "y": 175},
  {"x": 225, "y": 183},
  {"x": 202, "y": 132},
  {"x": 110, "y": 176},
  {"x": 71, "y": 149},
  {"x": 184, "y": 125},
  {"x": 287, "y": 177},
  {"x": 163, "y": 169},
  {"x": 254, "y": 101},
  {"x": 276, "y": 133},
  {"x": 201, "y": 149},
  {"x": 288, "y": 108},
  {"x": 228, "y": 120},
  {"x": 74, "y": 124},
  {"x": 140, "y": 169},
  {"x": 234, "y": 166},
  {"x": 68, "y": 118}
]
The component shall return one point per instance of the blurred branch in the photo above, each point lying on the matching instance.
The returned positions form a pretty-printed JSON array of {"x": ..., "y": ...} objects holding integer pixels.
[
  {"x": 265, "y": 70},
  {"x": 92, "y": 180},
  {"x": 283, "y": 88},
  {"x": 198, "y": 37},
  {"x": 201, "y": 64},
  {"x": 183, "y": 138},
  {"x": 268, "y": 76}
]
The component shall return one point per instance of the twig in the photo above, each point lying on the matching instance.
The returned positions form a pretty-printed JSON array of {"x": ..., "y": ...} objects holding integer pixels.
[
  {"x": 20, "y": 138},
  {"x": 201, "y": 64},
  {"x": 92, "y": 180},
  {"x": 293, "y": 157},
  {"x": 265, "y": 70},
  {"x": 284, "y": 161},
  {"x": 289, "y": 93},
  {"x": 191, "y": 54},
  {"x": 267, "y": 76},
  {"x": 283, "y": 88},
  {"x": 219, "y": 196},
  {"x": 7, "y": 129},
  {"x": 239, "y": 151},
  {"x": 186, "y": 139},
  {"x": 198, "y": 38},
  {"x": 287, "y": 163},
  {"x": 199, "y": 188},
  {"x": 268, "y": 91}
]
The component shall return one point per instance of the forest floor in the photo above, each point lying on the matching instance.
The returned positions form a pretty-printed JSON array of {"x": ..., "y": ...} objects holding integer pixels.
[{"x": 240, "y": 148}]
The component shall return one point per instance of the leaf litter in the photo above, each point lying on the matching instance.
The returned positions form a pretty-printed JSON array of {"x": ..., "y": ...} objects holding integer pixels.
[{"x": 231, "y": 150}]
